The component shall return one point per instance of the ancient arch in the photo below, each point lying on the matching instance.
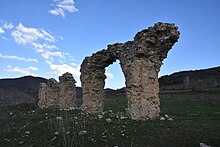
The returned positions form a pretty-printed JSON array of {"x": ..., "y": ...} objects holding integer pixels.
[{"x": 140, "y": 61}]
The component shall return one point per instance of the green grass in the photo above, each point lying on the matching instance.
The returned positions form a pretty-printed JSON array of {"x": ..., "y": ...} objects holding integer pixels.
[{"x": 196, "y": 119}]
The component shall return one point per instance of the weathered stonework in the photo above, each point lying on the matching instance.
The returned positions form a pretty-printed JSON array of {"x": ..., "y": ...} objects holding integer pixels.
[
  {"x": 140, "y": 61},
  {"x": 52, "y": 93},
  {"x": 42, "y": 95},
  {"x": 60, "y": 95},
  {"x": 67, "y": 91}
]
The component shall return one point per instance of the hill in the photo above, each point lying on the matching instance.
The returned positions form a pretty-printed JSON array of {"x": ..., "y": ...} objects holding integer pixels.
[
  {"x": 19, "y": 90},
  {"x": 198, "y": 79}
]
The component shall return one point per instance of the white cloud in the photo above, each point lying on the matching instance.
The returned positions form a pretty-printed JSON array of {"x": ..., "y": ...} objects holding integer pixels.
[
  {"x": 3, "y": 37},
  {"x": 40, "y": 48},
  {"x": 8, "y": 26},
  {"x": 61, "y": 38},
  {"x": 5, "y": 26},
  {"x": 26, "y": 36},
  {"x": 18, "y": 58},
  {"x": 60, "y": 6},
  {"x": 57, "y": 11},
  {"x": 109, "y": 75},
  {"x": 47, "y": 36},
  {"x": 1, "y": 31},
  {"x": 42, "y": 42},
  {"x": 59, "y": 69},
  {"x": 32, "y": 68},
  {"x": 48, "y": 54},
  {"x": 23, "y": 71}
]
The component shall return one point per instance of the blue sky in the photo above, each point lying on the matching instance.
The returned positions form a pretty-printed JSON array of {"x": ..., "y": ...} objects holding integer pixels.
[{"x": 49, "y": 37}]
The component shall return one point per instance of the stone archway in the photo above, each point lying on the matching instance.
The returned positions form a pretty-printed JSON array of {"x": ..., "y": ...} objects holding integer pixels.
[
  {"x": 140, "y": 61},
  {"x": 93, "y": 77}
]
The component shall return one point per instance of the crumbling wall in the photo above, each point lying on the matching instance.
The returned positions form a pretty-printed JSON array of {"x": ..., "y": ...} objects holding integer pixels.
[
  {"x": 93, "y": 78},
  {"x": 67, "y": 91},
  {"x": 42, "y": 95},
  {"x": 52, "y": 93},
  {"x": 140, "y": 61},
  {"x": 60, "y": 95}
]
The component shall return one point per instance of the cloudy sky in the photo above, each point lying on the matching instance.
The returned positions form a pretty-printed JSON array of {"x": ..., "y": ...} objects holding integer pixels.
[{"x": 49, "y": 37}]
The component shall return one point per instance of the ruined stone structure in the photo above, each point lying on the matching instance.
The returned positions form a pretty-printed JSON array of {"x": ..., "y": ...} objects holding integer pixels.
[
  {"x": 60, "y": 95},
  {"x": 42, "y": 95},
  {"x": 52, "y": 93},
  {"x": 67, "y": 91},
  {"x": 140, "y": 61}
]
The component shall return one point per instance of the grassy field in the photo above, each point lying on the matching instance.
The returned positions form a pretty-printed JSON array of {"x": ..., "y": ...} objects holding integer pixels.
[{"x": 196, "y": 119}]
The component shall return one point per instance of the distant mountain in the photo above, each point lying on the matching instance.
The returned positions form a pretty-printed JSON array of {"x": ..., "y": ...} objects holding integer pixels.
[
  {"x": 79, "y": 92},
  {"x": 198, "y": 79},
  {"x": 19, "y": 90},
  {"x": 108, "y": 90},
  {"x": 188, "y": 80},
  {"x": 120, "y": 91}
]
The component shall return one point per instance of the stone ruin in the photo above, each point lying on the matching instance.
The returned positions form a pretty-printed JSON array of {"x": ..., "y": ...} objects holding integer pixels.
[
  {"x": 61, "y": 95},
  {"x": 140, "y": 61}
]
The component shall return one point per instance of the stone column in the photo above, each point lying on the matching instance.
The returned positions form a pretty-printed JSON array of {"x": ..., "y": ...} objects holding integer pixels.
[
  {"x": 142, "y": 90},
  {"x": 93, "y": 91},
  {"x": 93, "y": 78},
  {"x": 42, "y": 97},
  {"x": 141, "y": 60},
  {"x": 67, "y": 91},
  {"x": 53, "y": 93}
]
